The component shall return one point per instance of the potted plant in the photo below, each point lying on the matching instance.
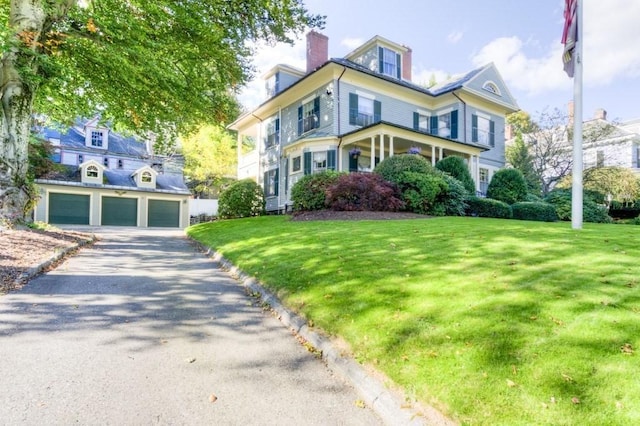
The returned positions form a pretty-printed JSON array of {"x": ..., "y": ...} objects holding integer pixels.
[{"x": 355, "y": 152}]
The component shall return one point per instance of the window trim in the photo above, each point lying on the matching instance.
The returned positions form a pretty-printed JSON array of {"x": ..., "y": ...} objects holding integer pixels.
[{"x": 92, "y": 172}]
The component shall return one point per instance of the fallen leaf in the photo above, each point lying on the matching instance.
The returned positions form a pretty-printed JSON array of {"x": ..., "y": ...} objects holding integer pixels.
[
  {"x": 552, "y": 399},
  {"x": 213, "y": 398},
  {"x": 566, "y": 377},
  {"x": 619, "y": 405},
  {"x": 360, "y": 403},
  {"x": 190, "y": 360},
  {"x": 511, "y": 383},
  {"x": 575, "y": 400},
  {"x": 626, "y": 349}
]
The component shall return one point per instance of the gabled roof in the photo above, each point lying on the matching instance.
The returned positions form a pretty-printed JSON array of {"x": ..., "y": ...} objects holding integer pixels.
[{"x": 74, "y": 138}]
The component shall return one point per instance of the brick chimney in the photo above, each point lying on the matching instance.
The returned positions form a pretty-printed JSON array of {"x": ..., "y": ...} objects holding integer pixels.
[
  {"x": 406, "y": 65},
  {"x": 601, "y": 114},
  {"x": 317, "y": 50}
]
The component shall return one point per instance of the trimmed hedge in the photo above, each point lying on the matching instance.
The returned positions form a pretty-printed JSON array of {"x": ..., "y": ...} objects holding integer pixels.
[
  {"x": 243, "y": 198},
  {"x": 508, "y": 185},
  {"x": 309, "y": 193},
  {"x": 538, "y": 211},
  {"x": 363, "y": 192},
  {"x": 591, "y": 211},
  {"x": 487, "y": 207},
  {"x": 420, "y": 191},
  {"x": 391, "y": 168}
]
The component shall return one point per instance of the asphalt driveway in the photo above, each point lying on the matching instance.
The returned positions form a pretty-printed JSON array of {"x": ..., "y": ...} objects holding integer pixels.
[{"x": 143, "y": 329}]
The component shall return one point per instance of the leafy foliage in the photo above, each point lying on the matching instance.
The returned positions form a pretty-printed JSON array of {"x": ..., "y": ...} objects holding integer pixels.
[
  {"x": 453, "y": 199},
  {"x": 309, "y": 193},
  {"x": 420, "y": 191},
  {"x": 210, "y": 160},
  {"x": 457, "y": 168},
  {"x": 538, "y": 211},
  {"x": 487, "y": 207},
  {"x": 519, "y": 157},
  {"x": 391, "y": 168},
  {"x": 507, "y": 185},
  {"x": 244, "y": 198},
  {"x": 591, "y": 211},
  {"x": 363, "y": 192}
]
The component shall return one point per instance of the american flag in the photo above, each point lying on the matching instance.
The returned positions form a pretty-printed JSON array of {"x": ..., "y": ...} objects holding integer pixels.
[{"x": 569, "y": 35}]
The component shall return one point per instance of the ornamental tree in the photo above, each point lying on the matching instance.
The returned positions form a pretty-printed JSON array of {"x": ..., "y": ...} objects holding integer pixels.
[{"x": 157, "y": 67}]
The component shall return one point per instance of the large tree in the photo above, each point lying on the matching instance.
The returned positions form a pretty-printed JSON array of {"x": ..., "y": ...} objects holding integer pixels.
[
  {"x": 549, "y": 139},
  {"x": 158, "y": 66}
]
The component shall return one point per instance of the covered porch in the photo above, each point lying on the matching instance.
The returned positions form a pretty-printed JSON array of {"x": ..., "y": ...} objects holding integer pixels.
[{"x": 362, "y": 150}]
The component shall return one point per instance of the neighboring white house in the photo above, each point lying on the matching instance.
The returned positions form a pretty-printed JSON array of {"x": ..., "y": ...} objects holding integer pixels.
[
  {"x": 108, "y": 179},
  {"x": 367, "y": 103}
]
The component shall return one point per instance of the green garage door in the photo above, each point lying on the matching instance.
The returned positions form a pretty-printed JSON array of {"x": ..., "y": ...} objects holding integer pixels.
[
  {"x": 118, "y": 211},
  {"x": 164, "y": 213},
  {"x": 68, "y": 209}
]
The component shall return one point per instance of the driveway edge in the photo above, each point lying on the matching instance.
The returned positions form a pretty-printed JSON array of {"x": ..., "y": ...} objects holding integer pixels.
[{"x": 387, "y": 405}]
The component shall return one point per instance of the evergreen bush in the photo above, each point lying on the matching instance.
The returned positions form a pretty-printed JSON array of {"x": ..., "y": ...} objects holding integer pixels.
[
  {"x": 456, "y": 167},
  {"x": 309, "y": 193},
  {"x": 488, "y": 207},
  {"x": 420, "y": 191},
  {"x": 591, "y": 211},
  {"x": 508, "y": 185},
  {"x": 538, "y": 211}
]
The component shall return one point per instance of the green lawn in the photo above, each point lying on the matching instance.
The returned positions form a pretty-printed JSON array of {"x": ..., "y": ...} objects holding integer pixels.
[{"x": 492, "y": 321}]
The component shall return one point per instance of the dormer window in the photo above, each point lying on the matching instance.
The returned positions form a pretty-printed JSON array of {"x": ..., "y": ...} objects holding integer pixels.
[
  {"x": 96, "y": 138},
  {"x": 389, "y": 62},
  {"x": 146, "y": 177},
  {"x": 91, "y": 172}
]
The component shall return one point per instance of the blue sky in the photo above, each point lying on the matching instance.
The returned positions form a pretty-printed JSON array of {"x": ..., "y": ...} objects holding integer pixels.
[{"x": 521, "y": 37}]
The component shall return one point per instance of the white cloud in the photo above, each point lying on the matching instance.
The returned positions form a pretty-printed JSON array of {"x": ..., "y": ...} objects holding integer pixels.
[
  {"x": 352, "y": 43},
  {"x": 610, "y": 38},
  {"x": 455, "y": 37}
]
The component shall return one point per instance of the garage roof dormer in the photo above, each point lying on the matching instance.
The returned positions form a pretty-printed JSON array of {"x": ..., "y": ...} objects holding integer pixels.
[
  {"x": 96, "y": 136},
  {"x": 91, "y": 172},
  {"x": 145, "y": 177}
]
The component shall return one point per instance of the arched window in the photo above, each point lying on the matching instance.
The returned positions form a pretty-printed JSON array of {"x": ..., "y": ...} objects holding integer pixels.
[
  {"x": 146, "y": 177},
  {"x": 92, "y": 172},
  {"x": 490, "y": 86}
]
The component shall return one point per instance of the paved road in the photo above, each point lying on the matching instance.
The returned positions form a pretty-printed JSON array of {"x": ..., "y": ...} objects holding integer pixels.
[{"x": 143, "y": 329}]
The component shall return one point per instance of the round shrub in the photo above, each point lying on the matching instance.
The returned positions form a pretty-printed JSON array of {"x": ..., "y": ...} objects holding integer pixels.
[
  {"x": 309, "y": 192},
  {"x": 487, "y": 207},
  {"x": 591, "y": 211},
  {"x": 508, "y": 185},
  {"x": 391, "y": 168},
  {"x": 456, "y": 167},
  {"x": 539, "y": 211},
  {"x": 420, "y": 191},
  {"x": 243, "y": 198},
  {"x": 363, "y": 192}
]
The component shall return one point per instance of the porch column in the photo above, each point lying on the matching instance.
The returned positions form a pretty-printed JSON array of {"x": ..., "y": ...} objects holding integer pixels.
[
  {"x": 390, "y": 146},
  {"x": 373, "y": 152},
  {"x": 441, "y": 154},
  {"x": 433, "y": 155},
  {"x": 381, "y": 147},
  {"x": 476, "y": 171}
]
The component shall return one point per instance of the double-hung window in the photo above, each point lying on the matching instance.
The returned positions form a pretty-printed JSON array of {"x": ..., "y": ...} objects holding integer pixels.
[
  {"x": 309, "y": 116},
  {"x": 319, "y": 161},
  {"x": 445, "y": 125},
  {"x": 363, "y": 110},
  {"x": 271, "y": 183},
  {"x": 388, "y": 62},
  {"x": 96, "y": 138},
  {"x": 482, "y": 130},
  {"x": 421, "y": 122},
  {"x": 272, "y": 137}
]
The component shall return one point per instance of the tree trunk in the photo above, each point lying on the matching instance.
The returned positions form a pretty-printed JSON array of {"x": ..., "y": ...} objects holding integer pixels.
[{"x": 27, "y": 20}]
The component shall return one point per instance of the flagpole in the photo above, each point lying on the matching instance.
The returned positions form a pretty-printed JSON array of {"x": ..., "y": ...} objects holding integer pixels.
[{"x": 577, "y": 190}]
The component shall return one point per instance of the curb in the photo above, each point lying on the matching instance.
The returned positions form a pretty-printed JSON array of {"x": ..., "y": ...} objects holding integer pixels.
[{"x": 389, "y": 406}]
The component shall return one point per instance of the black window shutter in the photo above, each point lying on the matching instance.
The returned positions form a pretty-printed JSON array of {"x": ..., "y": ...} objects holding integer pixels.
[
  {"x": 377, "y": 111},
  {"x": 353, "y": 108},
  {"x": 331, "y": 159},
  {"x": 353, "y": 163},
  {"x": 398, "y": 65},
  {"x": 300, "y": 121},
  {"x": 474, "y": 128},
  {"x": 316, "y": 112},
  {"x": 454, "y": 124},
  {"x": 277, "y": 181},
  {"x": 380, "y": 60},
  {"x": 434, "y": 124},
  {"x": 307, "y": 163},
  {"x": 416, "y": 121},
  {"x": 265, "y": 183}
]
